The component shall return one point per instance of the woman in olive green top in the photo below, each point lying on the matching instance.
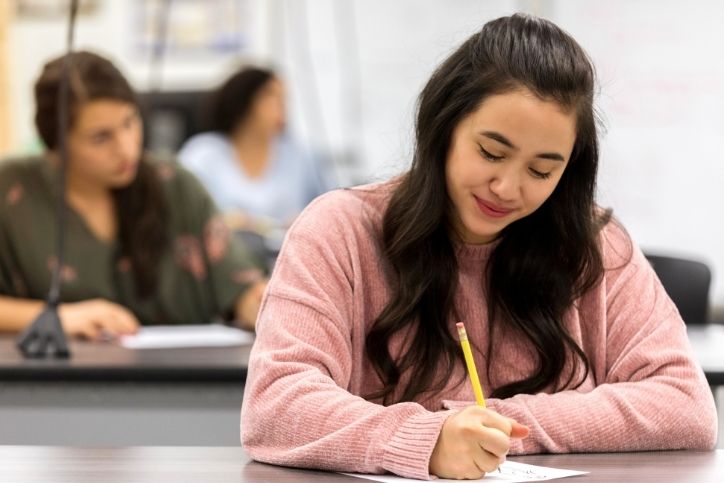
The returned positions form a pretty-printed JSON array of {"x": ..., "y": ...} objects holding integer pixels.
[{"x": 144, "y": 243}]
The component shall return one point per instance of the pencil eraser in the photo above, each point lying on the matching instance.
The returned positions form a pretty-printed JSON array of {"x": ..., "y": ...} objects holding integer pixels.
[{"x": 460, "y": 325}]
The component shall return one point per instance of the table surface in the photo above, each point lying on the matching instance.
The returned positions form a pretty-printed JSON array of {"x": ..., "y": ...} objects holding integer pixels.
[
  {"x": 52, "y": 464},
  {"x": 111, "y": 362},
  {"x": 108, "y": 362}
]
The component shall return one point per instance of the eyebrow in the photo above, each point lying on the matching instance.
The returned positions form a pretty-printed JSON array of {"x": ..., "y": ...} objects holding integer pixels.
[
  {"x": 495, "y": 136},
  {"x": 106, "y": 130}
]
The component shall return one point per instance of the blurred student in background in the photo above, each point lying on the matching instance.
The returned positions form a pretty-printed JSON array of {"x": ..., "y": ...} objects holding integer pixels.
[
  {"x": 144, "y": 242},
  {"x": 257, "y": 175}
]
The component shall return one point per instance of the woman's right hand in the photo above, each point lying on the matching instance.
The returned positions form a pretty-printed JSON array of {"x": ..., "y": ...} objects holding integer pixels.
[
  {"x": 473, "y": 442},
  {"x": 97, "y": 319}
]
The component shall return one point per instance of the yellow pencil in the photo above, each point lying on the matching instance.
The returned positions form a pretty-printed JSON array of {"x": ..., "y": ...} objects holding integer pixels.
[{"x": 470, "y": 362}]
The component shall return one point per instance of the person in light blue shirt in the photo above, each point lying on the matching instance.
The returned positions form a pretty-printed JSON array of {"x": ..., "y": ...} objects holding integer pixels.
[{"x": 258, "y": 176}]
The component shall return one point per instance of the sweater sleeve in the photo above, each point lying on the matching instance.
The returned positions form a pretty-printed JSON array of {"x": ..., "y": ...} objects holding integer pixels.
[
  {"x": 653, "y": 394},
  {"x": 231, "y": 268},
  {"x": 297, "y": 409}
]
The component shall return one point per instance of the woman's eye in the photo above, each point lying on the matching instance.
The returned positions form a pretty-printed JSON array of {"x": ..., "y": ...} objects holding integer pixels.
[
  {"x": 489, "y": 155},
  {"x": 539, "y": 174},
  {"x": 99, "y": 138}
]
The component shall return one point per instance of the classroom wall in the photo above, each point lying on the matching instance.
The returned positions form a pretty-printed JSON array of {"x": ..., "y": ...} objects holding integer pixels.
[
  {"x": 355, "y": 67},
  {"x": 662, "y": 97}
]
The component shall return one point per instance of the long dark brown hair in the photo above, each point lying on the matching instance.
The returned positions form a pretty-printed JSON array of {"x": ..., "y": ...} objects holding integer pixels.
[
  {"x": 541, "y": 263},
  {"x": 141, "y": 207},
  {"x": 230, "y": 105}
]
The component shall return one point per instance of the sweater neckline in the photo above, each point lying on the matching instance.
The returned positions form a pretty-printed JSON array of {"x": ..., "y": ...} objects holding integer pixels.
[{"x": 474, "y": 252}]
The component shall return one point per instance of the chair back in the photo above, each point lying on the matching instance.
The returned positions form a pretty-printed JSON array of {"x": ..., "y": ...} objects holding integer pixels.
[
  {"x": 687, "y": 282},
  {"x": 171, "y": 117}
]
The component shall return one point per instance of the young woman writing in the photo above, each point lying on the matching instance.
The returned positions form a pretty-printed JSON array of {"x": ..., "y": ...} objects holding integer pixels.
[{"x": 357, "y": 366}]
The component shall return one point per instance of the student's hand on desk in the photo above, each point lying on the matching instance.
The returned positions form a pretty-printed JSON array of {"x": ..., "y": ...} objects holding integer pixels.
[
  {"x": 238, "y": 220},
  {"x": 248, "y": 305},
  {"x": 97, "y": 319},
  {"x": 473, "y": 442}
]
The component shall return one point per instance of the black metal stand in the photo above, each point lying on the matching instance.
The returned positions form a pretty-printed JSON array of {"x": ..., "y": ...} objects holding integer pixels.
[{"x": 44, "y": 337}]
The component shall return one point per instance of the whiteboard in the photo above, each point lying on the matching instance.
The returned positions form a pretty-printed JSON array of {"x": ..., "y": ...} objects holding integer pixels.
[{"x": 660, "y": 65}]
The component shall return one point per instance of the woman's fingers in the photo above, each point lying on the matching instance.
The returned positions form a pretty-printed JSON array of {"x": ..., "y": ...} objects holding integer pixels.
[
  {"x": 486, "y": 461},
  {"x": 519, "y": 430},
  {"x": 495, "y": 442},
  {"x": 473, "y": 442},
  {"x": 127, "y": 322}
]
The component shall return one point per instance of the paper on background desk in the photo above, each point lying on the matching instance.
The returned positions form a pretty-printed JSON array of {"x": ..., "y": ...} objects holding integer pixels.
[
  {"x": 510, "y": 471},
  {"x": 181, "y": 336}
]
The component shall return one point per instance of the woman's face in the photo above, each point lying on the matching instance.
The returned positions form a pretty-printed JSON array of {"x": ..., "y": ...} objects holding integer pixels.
[
  {"x": 105, "y": 143},
  {"x": 505, "y": 159},
  {"x": 268, "y": 111}
]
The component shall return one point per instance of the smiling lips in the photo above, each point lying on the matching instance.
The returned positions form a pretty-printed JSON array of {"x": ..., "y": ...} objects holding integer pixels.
[
  {"x": 491, "y": 209},
  {"x": 127, "y": 167}
]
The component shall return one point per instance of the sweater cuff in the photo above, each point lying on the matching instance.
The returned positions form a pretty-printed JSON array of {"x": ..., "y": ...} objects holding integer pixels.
[{"x": 408, "y": 452}]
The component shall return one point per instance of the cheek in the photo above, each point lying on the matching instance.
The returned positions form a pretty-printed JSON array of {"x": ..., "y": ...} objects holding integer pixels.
[
  {"x": 539, "y": 194},
  {"x": 452, "y": 178},
  {"x": 262, "y": 109},
  {"x": 91, "y": 159},
  {"x": 137, "y": 131},
  {"x": 138, "y": 141},
  {"x": 275, "y": 112},
  {"x": 81, "y": 157},
  {"x": 459, "y": 171}
]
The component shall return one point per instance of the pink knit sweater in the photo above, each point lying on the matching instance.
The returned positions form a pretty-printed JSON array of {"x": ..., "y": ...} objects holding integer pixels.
[{"x": 307, "y": 371}]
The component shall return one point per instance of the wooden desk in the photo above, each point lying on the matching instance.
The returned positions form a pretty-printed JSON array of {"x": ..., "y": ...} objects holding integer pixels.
[
  {"x": 36, "y": 464},
  {"x": 107, "y": 395},
  {"x": 105, "y": 362},
  {"x": 110, "y": 362}
]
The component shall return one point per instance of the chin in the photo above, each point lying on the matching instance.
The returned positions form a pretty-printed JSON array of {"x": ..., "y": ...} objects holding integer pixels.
[
  {"x": 479, "y": 235},
  {"x": 122, "y": 181}
]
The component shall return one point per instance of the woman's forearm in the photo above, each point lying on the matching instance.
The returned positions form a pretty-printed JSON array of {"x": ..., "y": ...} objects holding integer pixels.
[{"x": 17, "y": 313}]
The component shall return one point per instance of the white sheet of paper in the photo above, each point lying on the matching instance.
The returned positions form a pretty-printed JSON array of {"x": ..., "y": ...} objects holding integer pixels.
[
  {"x": 180, "y": 336},
  {"x": 510, "y": 471}
]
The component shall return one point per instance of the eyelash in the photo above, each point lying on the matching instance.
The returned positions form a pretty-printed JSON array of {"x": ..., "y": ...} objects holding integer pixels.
[
  {"x": 539, "y": 175},
  {"x": 493, "y": 158},
  {"x": 489, "y": 156}
]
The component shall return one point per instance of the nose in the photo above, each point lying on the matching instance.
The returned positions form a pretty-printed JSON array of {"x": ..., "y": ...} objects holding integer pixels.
[
  {"x": 127, "y": 144},
  {"x": 506, "y": 183}
]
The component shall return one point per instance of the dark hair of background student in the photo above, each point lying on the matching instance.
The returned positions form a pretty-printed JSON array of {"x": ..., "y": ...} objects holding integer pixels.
[
  {"x": 230, "y": 105},
  {"x": 141, "y": 207},
  {"x": 541, "y": 263}
]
